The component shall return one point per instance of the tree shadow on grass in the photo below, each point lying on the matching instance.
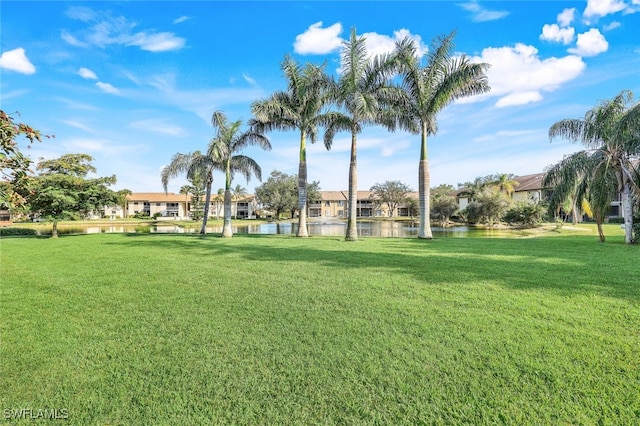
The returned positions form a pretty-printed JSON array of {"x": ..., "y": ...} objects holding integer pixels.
[{"x": 568, "y": 265}]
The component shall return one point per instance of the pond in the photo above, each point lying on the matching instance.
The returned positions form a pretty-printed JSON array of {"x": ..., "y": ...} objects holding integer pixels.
[{"x": 400, "y": 229}]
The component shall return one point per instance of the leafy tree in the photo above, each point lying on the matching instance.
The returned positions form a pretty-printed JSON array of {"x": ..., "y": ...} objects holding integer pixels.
[
  {"x": 391, "y": 193},
  {"x": 300, "y": 107},
  {"x": 14, "y": 165},
  {"x": 443, "y": 79},
  {"x": 279, "y": 193},
  {"x": 443, "y": 203},
  {"x": 413, "y": 208},
  {"x": 365, "y": 94},
  {"x": 489, "y": 207},
  {"x": 610, "y": 133},
  {"x": 62, "y": 190},
  {"x": 525, "y": 215},
  {"x": 227, "y": 144}
]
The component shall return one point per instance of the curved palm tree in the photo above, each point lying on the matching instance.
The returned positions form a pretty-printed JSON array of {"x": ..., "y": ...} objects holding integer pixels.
[
  {"x": 443, "y": 79},
  {"x": 226, "y": 145},
  {"x": 194, "y": 164},
  {"x": 300, "y": 107},
  {"x": 611, "y": 133},
  {"x": 367, "y": 97}
]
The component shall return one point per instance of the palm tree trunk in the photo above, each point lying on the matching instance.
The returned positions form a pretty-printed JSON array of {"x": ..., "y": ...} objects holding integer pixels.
[
  {"x": 352, "y": 231},
  {"x": 600, "y": 231},
  {"x": 227, "y": 231},
  {"x": 424, "y": 190},
  {"x": 302, "y": 189},
  {"x": 627, "y": 211},
  {"x": 207, "y": 202}
]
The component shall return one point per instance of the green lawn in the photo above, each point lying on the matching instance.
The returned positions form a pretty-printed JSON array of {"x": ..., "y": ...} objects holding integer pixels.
[{"x": 181, "y": 329}]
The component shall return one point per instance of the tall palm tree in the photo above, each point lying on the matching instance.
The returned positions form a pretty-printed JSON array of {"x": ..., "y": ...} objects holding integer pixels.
[
  {"x": 610, "y": 132},
  {"x": 227, "y": 143},
  {"x": 195, "y": 164},
  {"x": 300, "y": 107},
  {"x": 431, "y": 87},
  {"x": 364, "y": 92},
  {"x": 237, "y": 192}
]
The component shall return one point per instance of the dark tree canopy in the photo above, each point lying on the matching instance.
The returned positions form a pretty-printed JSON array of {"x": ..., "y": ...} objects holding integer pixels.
[
  {"x": 62, "y": 191},
  {"x": 279, "y": 193}
]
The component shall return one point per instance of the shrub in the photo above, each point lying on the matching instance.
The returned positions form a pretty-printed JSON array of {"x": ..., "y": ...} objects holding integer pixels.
[
  {"x": 636, "y": 228},
  {"x": 525, "y": 215},
  {"x": 10, "y": 232}
]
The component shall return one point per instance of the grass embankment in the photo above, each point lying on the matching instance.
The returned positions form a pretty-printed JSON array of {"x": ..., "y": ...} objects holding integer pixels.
[{"x": 180, "y": 329}]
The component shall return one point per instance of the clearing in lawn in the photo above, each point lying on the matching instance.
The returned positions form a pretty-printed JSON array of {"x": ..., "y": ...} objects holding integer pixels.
[{"x": 182, "y": 329}]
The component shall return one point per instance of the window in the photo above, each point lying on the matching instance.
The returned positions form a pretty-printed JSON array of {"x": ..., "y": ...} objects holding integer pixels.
[
  {"x": 327, "y": 203},
  {"x": 340, "y": 203},
  {"x": 135, "y": 203},
  {"x": 158, "y": 204}
]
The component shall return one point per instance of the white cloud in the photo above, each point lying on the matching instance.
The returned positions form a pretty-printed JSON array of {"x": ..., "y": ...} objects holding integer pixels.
[
  {"x": 159, "y": 42},
  {"x": 159, "y": 126},
  {"x": 590, "y": 43},
  {"x": 378, "y": 44},
  {"x": 249, "y": 80},
  {"x": 87, "y": 73},
  {"x": 612, "y": 26},
  {"x": 78, "y": 125},
  {"x": 519, "y": 76},
  {"x": 566, "y": 17},
  {"x": 318, "y": 40},
  {"x": 554, "y": 33},
  {"x": 72, "y": 40},
  {"x": 16, "y": 60},
  {"x": 519, "y": 98},
  {"x": 81, "y": 13},
  {"x": 107, "y": 88},
  {"x": 181, "y": 19},
  {"x": 599, "y": 8},
  {"x": 107, "y": 30},
  {"x": 480, "y": 14}
]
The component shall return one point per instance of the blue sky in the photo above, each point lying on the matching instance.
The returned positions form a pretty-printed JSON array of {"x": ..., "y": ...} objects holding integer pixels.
[{"x": 132, "y": 83}]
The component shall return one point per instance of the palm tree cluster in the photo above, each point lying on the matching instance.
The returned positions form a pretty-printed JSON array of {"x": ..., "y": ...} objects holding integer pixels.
[
  {"x": 609, "y": 164},
  {"x": 395, "y": 90},
  {"x": 223, "y": 154}
]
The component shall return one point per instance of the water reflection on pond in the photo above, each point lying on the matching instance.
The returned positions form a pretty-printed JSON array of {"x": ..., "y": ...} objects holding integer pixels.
[{"x": 365, "y": 229}]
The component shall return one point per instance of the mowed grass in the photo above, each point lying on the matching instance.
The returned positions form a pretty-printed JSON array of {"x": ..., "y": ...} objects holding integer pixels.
[{"x": 180, "y": 329}]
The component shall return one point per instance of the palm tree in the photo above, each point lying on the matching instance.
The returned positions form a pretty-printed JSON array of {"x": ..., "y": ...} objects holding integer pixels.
[
  {"x": 505, "y": 183},
  {"x": 195, "y": 164},
  {"x": 226, "y": 145},
  {"x": 443, "y": 79},
  {"x": 238, "y": 191},
  {"x": 611, "y": 134},
  {"x": 365, "y": 94},
  {"x": 300, "y": 107},
  {"x": 219, "y": 199},
  {"x": 121, "y": 197}
]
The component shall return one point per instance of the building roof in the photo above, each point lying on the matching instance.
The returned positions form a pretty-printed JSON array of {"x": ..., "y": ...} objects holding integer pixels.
[
  {"x": 529, "y": 182},
  {"x": 157, "y": 197}
]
